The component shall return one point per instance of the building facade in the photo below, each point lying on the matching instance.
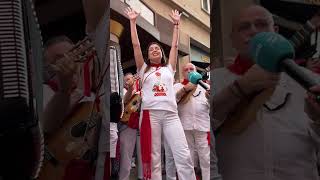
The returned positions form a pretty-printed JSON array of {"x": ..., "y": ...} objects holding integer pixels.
[{"x": 154, "y": 25}]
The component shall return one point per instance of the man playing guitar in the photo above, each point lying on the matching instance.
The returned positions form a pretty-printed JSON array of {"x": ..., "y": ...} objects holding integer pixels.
[
  {"x": 193, "y": 108},
  {"x": 128, "y": 136},
  {"x": 62, "y": 94}
]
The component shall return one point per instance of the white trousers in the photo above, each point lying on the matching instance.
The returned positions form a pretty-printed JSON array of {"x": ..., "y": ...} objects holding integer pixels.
[
  {"x": 197, "y": 142},
  {"x": 170, "y": 166},
  {"x": 113, "y": 139},
  {"x": 128, "y": 138},
  {"x": 169, "y": 123},
  {"x": 138, "y": 146}
]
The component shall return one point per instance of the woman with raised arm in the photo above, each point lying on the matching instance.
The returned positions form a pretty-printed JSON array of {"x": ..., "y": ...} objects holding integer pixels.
[{"x": 159, "y": 108}]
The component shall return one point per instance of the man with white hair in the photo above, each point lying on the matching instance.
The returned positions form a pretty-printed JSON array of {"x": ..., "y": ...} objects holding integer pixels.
[
  {"x": 272, "y": 138},
  {"x": 193, "y": 108}
]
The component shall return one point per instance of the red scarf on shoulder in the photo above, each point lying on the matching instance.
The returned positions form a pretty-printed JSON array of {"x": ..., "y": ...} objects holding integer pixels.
[
  {"x": 185, "y": 82},
  {"x": 240, "y": 65}
]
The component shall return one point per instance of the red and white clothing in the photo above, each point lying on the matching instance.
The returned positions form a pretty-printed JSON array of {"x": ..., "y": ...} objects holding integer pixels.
[
  {"x": 157, "y": 88},
  {"x": 278, "y": 144},
  {"x": 194, "y": 114},
  {"x": 195, "y": 119},
  {"x": 159, "y": 115},
  {"x": 128, "y": 141}
]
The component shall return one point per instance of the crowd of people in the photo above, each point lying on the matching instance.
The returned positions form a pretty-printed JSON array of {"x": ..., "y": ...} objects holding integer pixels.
[{"x": 264, "y": 125}]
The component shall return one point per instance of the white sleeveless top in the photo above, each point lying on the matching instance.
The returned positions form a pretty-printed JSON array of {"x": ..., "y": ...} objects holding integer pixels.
[{"x": 157, "y": 88}]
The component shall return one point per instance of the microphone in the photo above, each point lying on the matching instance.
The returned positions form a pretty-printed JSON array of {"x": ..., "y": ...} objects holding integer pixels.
[
  {"x": 274, "y": 53},
  {"x": 196, "y": 78}
]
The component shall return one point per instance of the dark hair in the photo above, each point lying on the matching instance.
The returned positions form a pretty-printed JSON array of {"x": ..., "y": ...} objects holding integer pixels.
[
  {"x": 128, "y": 73},
  {"x": 57, "y": 39},
  {"x": 164, "y": 60}
]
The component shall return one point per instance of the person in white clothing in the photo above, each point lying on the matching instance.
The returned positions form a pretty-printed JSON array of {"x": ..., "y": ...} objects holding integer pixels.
[
  {"x": 61, "y": 93},
  {"x": 61, "y": 96},
  {"x": 274, "y": 139},
  {"x": 193, "y": 108},
  {"x": 159, "y": 108},
  {"x": 128, "y": 136}
]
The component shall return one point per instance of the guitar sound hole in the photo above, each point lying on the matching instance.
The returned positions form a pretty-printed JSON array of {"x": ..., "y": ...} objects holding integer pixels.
[
  {"x": 134, "y": 103},
  {"x": 79, "y": 129}
]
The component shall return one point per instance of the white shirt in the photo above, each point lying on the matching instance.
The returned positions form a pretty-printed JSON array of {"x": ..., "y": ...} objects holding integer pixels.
[
  {"x": 157, "y": 88},
  {"x": 194, "y": 114},
  {"x": 279, "y": 145}
]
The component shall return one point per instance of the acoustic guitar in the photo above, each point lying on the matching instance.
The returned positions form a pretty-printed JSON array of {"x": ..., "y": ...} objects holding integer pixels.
[
  {"x": 73, "y": 140},
  {"x": 134, "y": 103},
  {"x": 132, "y": 106},
  {"x": 186, "y": 97}
]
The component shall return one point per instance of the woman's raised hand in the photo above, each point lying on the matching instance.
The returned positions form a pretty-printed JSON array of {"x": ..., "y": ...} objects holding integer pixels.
[
  {"x": 131, "y": 13},
  {"x": 175, "y": 16}
]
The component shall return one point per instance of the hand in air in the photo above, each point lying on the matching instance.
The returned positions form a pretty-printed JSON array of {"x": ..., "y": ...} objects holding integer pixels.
[
  {"x": 131, "y": 13},
  {"x": 175, "y": 16}
]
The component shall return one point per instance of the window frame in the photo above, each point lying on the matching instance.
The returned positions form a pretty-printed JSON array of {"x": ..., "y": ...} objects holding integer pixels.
[{"x": 208, "y": 4}]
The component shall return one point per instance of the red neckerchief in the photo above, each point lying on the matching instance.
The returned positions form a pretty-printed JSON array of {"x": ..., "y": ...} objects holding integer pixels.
[
  {"x": 185, "y": 82},
  {"x": 155, "y": 65},
  {"x": 240, "y": 65}
]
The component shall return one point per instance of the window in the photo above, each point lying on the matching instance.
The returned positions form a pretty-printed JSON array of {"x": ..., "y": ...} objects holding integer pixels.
[
  {"x": 205, "y": 5},
  {"x": 198, "y": 55},
  {"x": 139, "y": 6}
]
